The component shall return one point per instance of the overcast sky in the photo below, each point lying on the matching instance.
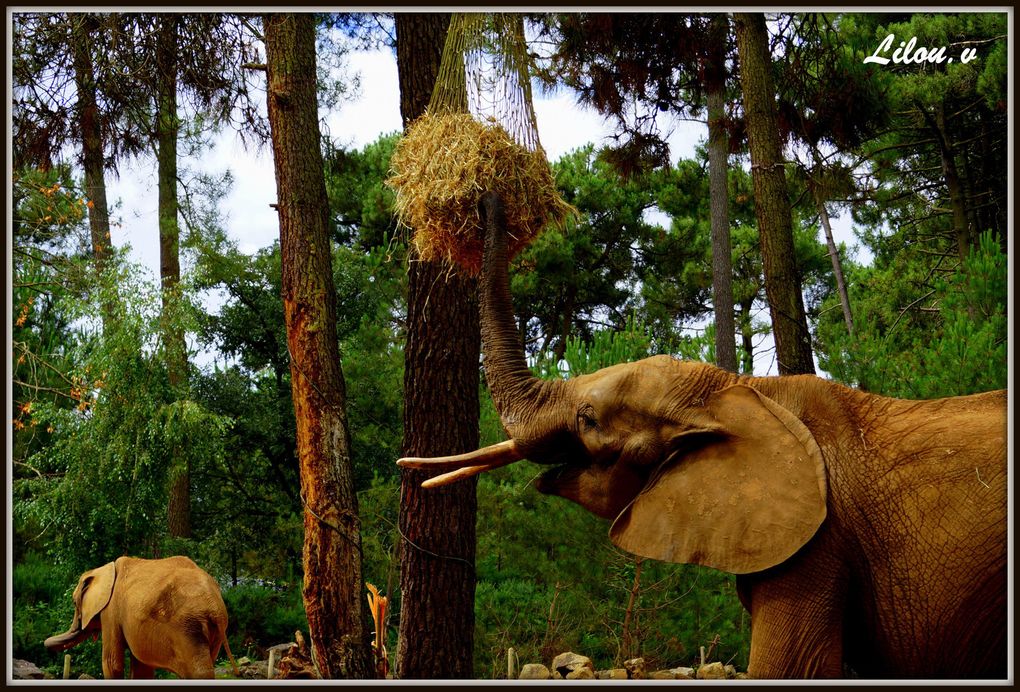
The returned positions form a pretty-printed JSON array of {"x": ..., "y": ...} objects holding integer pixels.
[
  {"x": 248, "y": 218},
  {"x": 563, "y": 127}
]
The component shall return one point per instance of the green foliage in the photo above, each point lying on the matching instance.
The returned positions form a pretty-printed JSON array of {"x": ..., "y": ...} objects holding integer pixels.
[
  {"x": 362, "y": 206},
  {"x": 380, "y": 540},
  {"x": 370, "y": 294},
  {"x": 104, "y": 491},
  {"x": 920, "y": 333},
  {"x": 115, "y": 435},
  {"x": 262, "y": 615},
  {"x": 48, "y": 238},
  {"x": 576, "y": 280},
  {"x": 48, "y": 204},
  {"x": 939, "y": 108},
  {"x": 98, "y": 435},
  {"x": 42, "y": 608}
]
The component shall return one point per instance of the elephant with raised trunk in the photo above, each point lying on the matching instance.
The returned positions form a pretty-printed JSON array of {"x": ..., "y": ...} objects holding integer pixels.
[
  {"x": 868, "y": 534},
  {"x": 169, "y": 613}
]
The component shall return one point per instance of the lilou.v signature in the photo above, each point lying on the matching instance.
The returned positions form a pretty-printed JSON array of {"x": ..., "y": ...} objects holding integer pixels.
[{"x": 909, "y": 52}]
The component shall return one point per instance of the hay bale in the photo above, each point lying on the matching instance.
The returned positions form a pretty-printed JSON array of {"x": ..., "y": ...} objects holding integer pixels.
[{"x": 439, "y": 171}]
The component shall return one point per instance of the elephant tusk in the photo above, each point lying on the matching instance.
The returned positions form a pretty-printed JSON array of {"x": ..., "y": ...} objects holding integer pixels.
[
  {"x": 459, "y": 474},
  {"x": 496, "y": 455},
  {"x": 464, "y": 465}
]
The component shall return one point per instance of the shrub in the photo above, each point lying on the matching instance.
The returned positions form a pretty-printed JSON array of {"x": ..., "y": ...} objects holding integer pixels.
[{"x": 262, "y": 616}]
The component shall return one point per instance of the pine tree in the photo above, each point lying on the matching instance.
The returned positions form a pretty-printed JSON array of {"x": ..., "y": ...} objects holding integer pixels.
[
  {"x": 333, "y": 585},
  {"x": 437, "y": 577}
]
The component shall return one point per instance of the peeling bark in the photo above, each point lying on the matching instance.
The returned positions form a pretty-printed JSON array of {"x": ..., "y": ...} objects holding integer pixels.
[{"x": 338, "y": 619}]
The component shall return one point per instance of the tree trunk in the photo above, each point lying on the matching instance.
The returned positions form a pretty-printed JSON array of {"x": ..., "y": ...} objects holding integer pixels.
[
  {"x": 747, "y": 336},
  {"x": 771, "y": 201},
  {"x": 338, "y": 619},
  {"x": 167, "y": 127},
  {"x": 566, "y": 323},
  {"x": 437, "y": 579},
  {"x": 718, "y": 152},
  {"x": 837, "y": 267},
  {"x": 961, "y": 226},
  {"x": 83, "y": 29}
]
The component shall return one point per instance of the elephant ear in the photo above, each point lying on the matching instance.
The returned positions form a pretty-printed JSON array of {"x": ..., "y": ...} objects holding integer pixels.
[
  {"x": 746, "y": 500},
  {"x": 97, "y": 589}
]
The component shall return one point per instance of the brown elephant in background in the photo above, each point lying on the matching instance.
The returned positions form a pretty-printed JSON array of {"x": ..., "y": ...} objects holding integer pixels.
[
  {"x": 868, "y": 534},
  {"x": 169, "y": 613}
]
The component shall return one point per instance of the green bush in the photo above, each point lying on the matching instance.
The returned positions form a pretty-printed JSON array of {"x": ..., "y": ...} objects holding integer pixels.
[
  {"x": 262, "y": 616},
  {"x": 921, "y": 334}
]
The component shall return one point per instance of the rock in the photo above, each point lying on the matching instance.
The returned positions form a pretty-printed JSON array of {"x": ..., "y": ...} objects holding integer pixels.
[
  {"x": 534, "y": 671},
  {"x": 712, "y": 671},
  {"x": 731, "y": 671},
  {"x": 635, "y": 668},
  {"x": 662, "y": 675},
  {"x": 683, "y": 673},
  {"x": 741, "y": 676},
  {"x": 252, "y": 670},
  {"x": 614, "y": 674},
  {"x": 581, "y": 673},
  {"x": 25, "y": 670},
  {"x": 569, "y": 662},
  {"x": 85, "y": 676}
]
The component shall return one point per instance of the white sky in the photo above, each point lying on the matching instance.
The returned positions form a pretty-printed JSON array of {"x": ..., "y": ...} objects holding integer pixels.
[{"x": 248, "y": 218}]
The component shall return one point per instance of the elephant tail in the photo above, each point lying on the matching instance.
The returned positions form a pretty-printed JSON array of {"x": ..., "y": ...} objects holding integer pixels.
[{"x": 226, "y": 647}]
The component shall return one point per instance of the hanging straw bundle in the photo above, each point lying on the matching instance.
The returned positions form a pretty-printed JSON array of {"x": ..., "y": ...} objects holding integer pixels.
[
  {"x": 449, "y": 157},
  {"x": 442, "y": 167}
]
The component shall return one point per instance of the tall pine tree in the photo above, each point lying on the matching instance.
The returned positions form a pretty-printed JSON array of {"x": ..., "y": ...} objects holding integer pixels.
[{"x": 333, "y": 584}]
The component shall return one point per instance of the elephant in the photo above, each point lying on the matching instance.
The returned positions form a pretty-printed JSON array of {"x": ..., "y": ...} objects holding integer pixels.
[
  {"x": 169, "y": 613},
  {"x": 867, "y": 534}
]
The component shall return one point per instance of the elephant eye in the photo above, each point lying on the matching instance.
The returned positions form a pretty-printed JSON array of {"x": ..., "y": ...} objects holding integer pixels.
[{"x": 586, "y": 419}]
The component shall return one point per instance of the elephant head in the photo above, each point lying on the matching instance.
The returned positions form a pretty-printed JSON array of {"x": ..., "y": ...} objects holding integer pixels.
[
  {"x": 690, "y": 464},
  {"x": 91, "y": 596}
]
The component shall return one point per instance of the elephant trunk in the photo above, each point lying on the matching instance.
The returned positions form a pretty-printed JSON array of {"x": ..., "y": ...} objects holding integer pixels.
[
  {"x": 522, "y": 399},
  {"x": 525, "y": 402},
  {"x": 62, "y": 642}
]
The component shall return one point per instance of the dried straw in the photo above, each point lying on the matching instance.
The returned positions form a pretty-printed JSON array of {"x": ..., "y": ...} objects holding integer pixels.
[{"x": 439, "y": 171}]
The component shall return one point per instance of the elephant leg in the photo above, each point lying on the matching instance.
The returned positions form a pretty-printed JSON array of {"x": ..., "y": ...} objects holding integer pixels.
[
  {"x": 141, "y": 671},
  {"x": 797, "y": 617},
  {"x": 113, "y": 654}
]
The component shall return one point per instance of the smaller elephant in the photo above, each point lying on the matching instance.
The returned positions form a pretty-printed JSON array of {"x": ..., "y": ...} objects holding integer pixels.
[{"x": 168, "y": 613}]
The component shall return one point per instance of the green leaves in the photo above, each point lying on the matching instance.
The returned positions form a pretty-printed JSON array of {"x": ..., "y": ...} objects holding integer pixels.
[{"x": 921, "y": 332}]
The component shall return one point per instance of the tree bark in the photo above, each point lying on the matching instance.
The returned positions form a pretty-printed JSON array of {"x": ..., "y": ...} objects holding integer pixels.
[
  {"x": 823, "y": 217},
  {"x": 771, "y": 201},
  {"x": 441, "y": 378},
  {"x": 629, "y": 647},
  {"x": 338, "y": 619},
  {"x": 92, "y": 146},
  {"x": 747, "y": 335},
  {"x": 175, "y": 348},
  {"x": 718, "y": 152}
]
